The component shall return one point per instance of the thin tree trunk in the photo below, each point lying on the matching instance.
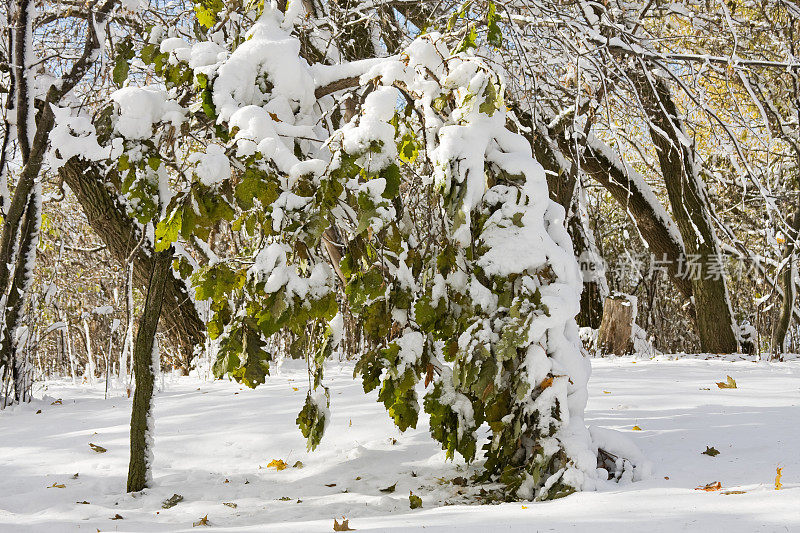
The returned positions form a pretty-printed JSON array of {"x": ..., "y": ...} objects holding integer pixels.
[
  {"x": 127, "y": 343},
  {"x": 788, "y": 286},
  {"x": 143, "y": 357},
  {"x": 90, "y": 364}
]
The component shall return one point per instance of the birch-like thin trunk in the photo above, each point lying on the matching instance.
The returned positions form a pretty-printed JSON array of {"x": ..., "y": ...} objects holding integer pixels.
[{"x": 139, "y": 471}]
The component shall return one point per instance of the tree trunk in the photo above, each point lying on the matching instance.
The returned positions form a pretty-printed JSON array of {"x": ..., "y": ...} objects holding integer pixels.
[
  {"x": 787, "y": 285},
  {"x": 109, "y": 219},
  {"x": 614, "y": 336},
  {"x": 143, "y": 357},
  {"x": 692, "y": 211}
]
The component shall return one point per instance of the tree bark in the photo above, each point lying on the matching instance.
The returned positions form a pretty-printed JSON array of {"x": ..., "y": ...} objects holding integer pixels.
[
  {"x": 614, "y": 336},
  {"x": 121, "y": 234},
  {"x": 143, "y": 356},
  {"x": 691, "y": 209},
  {"x": 788, "y": 286}
]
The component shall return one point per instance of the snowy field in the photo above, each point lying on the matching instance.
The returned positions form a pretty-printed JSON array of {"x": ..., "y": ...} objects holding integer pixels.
[{"x": 214, "y": 441}]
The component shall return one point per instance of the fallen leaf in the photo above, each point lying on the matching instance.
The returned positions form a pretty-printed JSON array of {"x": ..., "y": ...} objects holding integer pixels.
[
  {"x": 274, "y": 117},
  {"x": 414, "y": 501},
  {"x": 461, "y": 481},
  {"x": 279, "y": 464},
  {"x": 230, "y": 504},
  {"x": 524, "y": 507},
  {"x": 295, "y": 389},
  {"x": 57, "y": 402},
  {"x": 390, "y": 488},
  {"x": 117, "y": 517},
  {"x": 298, "y": 464},
  {"x": 606, "y": 392},
  {"x": 778, "y": 474},
  {"x": 730, "y": 384},
  {"x": 727, "y": 492},
  {"x": 97, "y": 448},
  {"x": 202, "y": 522},
  {"x": 636, "y": 428},
  {"x": 39, "y": 412},
  {"x": 284, "y": 499},
  {"x": 713, "y": 452},
  {"x": 75, "y": 476},
  {"x": 330, "y": 484},
  {"x": 344, "y": 526},
  {"x": 57, "y": 486},
  {"x": 84, "y": 502},
  {"x": 226, "y": 480},
  {"x": 546, "y": 382},
  {"x": 172, "y": 501},
  {"x": 716, "y": 485}
]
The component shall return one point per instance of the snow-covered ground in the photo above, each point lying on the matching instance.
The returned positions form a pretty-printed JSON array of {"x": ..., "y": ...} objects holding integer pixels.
[{"x": 214, "y": 441}]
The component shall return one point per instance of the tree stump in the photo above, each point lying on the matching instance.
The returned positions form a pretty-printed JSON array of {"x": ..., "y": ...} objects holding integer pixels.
[{"x": 614, "y": 336}]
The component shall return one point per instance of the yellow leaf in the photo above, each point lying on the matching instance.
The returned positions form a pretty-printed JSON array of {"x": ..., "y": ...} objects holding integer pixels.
[
  {"x": 232, "y": 505},
  {"x": 524, "y": 507},
  {"x": 295, "y": 389},
  {"x": 57, "y": 486},
  {"x": 202, "y": 522},
  {"x": 778, "y": 474},
  {"x": 729, "y": 384},
  {"x": 636, "y": 428},
  {"x": 344, "y": 526},
  {"x": 546, "y": 382},
  {"x": 606, "y": 392},
  {"x": 279, "y": 464},
  {"x": 716, "y": 485}
]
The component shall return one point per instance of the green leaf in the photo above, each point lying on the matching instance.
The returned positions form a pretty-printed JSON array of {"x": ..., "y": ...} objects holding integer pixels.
[
  {"x": 414, "y": 501},
  {"x": 494, "y": 34},
  {"x": 167, "y": 230},
  {"x": 392, "y": 176},
  {"x": 120, "y": 72},
  {"x": 469, "y": 40}
]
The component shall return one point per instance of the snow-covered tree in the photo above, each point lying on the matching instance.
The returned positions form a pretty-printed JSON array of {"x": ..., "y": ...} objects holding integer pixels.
[{"x": 396, "y": 185}]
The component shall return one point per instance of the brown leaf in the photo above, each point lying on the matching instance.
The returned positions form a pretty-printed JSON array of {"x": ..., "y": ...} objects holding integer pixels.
[
  {"x": 729, "y": 384},
  {"x": 202, "y": 522},
  {"x": 330, "y": 484},
  {"x": 344, "y": 526},
  {"x": 172, "y": 501},
  {"x": 390, "y": 488},
  {"x": 274, "y": 117},
  {"x": 428, "y": 375},
  {"x": 710, "y": 450},
  {"x": 716, "y": 485},
  {"x": 97, "y": 448},
  {"x": 727, "y": 492},
  {"x": 230, "y": 504},
  {"x": 57, "y": 402},
  {"x": 84, "y": 502},
  {"x": 546, "y": 382},
  {"x": 116, "y": 517}
]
